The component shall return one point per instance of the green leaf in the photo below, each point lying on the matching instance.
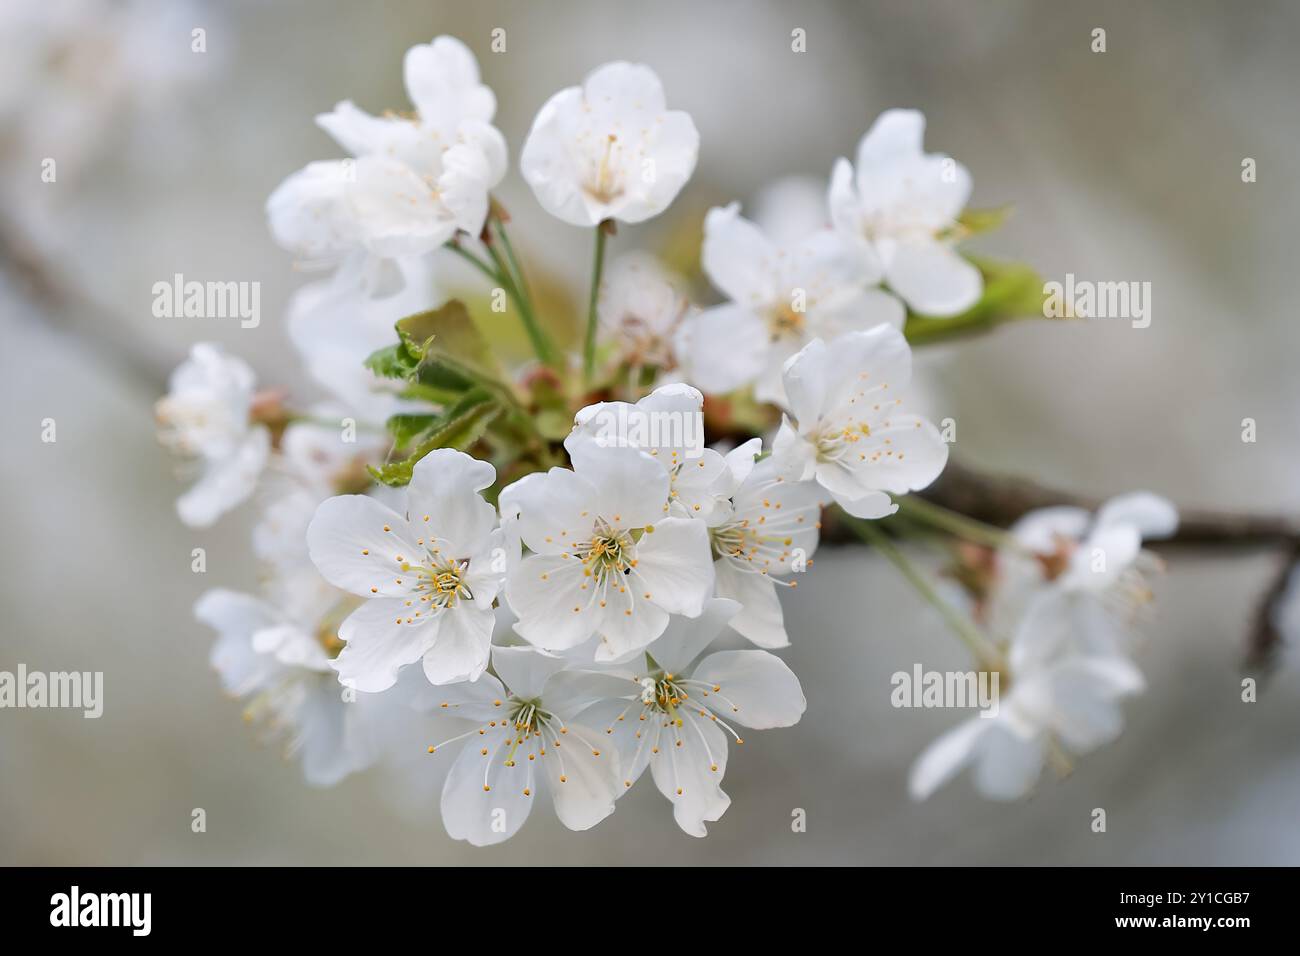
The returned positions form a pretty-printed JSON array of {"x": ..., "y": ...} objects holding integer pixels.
[
  {"x": 972, "y": 222},
  {"x": 449, "y": 332},
  {"x": 392, "y": 361},
  {"x": 404, "y": 428},
  {"x": 459, "y": 427},
  {"x": 1012, "y": 292}
]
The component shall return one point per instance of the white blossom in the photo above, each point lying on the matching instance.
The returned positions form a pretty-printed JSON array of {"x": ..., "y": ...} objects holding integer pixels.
[
  {"x": 524, "y": 734},
  {"x": 676, "y": 715},
  {"x": 850, "y": 431},
  {"x": 781, "y": 298},
  {"x": 413, "y": 182},
  {"x": 605, "y": 558},
  {"x": 609, "y": 149},
  {"x": 205, "y": 419},
  {"x": 902, "y": 204},
  {"x": 428, "y": 572}
]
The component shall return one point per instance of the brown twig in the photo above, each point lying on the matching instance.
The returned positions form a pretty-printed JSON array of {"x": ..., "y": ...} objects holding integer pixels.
[
  {"x": 64, "y": 307},
  {"x": 1000, "y": 500}
]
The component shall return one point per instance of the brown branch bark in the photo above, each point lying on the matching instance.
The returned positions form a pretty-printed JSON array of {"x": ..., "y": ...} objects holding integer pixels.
[{"x": 1001, "y": 500}]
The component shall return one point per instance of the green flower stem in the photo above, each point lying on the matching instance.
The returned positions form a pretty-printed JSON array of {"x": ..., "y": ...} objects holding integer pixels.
[
  {"x": 541, "y": 342},
  {"x": 953, "y": 522},
  {"x": 541, "y": 345},
  {"x": 475, "y": 261},
  {"x": 589, "y": 344},
  {"x": 985, "y": 653},
  {"x": 499, "y": 275}
]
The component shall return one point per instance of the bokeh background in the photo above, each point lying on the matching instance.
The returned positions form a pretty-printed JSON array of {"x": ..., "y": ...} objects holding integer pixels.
[{"x": 1123, "y": 165}]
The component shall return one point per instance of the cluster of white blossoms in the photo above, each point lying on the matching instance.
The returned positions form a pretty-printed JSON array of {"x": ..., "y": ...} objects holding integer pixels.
[
  {"x": 1069, "y": 587},
  {"x": 591, "y": 602}
]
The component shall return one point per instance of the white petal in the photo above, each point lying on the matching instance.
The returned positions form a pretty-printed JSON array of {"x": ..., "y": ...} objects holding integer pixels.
[
  {"x": 904, "y": 454},
  {"x": 944, "y": 758},
  {"x": 617, "y": 722},
  {"x": 932, "y": 278},
  {"x": 360, "y": 134},
  {"x": 740, "y": 461},
  {"x": 583, "y": 777},
  {"x": 236, "y": 617},
  {"x": 462, "y": 642},
  {"x": 226, "y": 482},
  {"x": 1008, "y": 764},
  {"x": 686, "y": 774},
  {"x": 687, "y": 637},
  {"x": 631, "y": 487},
  {"x": 1100, "y": 559},
  {"x": 309, "y": 214},
  {"x": 1038, "y": 530},
  {"x": 755, "y": 689},
  {"x": 726, "y": 348},
  {"x": 628, "y": 623},
  {"x": 480, "y": 701},
  {"x": 555, "y": 611},
  {"x": 397, "y": 212},
  {"x": 552, "y": 510},
  {"x": 377, "y": 646},
  {"x": 894, "y": 138},
  {"x": 444, "y": 500},
  {"x": 355, "y": 543},
  {"x": 442, "y": 80},
  {"x": 483, "y": 799},
  {"x": 760, "y": 619},
  {"x": 675, "y": 566},
  {"x": 572, "y": 693},
  {"x": 738, "y": 259},
  {"x": 1152, "y": 515},
  {"x": 321, "y": 739},
  {"x": 524, "y": 670},
  {"x": 470, "y": 169}
]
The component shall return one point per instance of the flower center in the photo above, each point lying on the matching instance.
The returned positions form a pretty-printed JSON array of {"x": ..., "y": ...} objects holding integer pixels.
[
  {"x": 442, "y": 581},
  {"x": 609, "y": 552},
  {"x": 785, "y": 322},
  {"x": 836, "y": 444},
  {"x": 605, "y": 186}
]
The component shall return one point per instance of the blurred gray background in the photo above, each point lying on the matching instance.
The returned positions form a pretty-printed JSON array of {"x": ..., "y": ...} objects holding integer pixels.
[{"x": 1122, "y": 166}]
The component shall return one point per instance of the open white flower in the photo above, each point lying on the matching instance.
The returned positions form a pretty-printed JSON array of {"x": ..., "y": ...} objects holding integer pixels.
[
  {"x": 781, "y": 298},
  {"x": 523, "y": 734},
  {"x": 609, "y": 149},
  {"x": 640, "y": 309},
  {"x": 414, "y": 182},
  {"x": 1067, "y": 591},
  {"x": 668, "y": 425},
  {"x": 1068, "y": 706},
  {"x": 429, "y": 574},
  {"x": 850, "y": 432},
  {"x": 765, "y": 527},
  {"x": 205, "y": 418},
  {"x": 606, "y": 561},
  {"x": 903, "y": 203},
  {"x": 276, "y": 652},
  {"x": 677, "y": 715},
  {"x": 1088, "y": 577}
]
